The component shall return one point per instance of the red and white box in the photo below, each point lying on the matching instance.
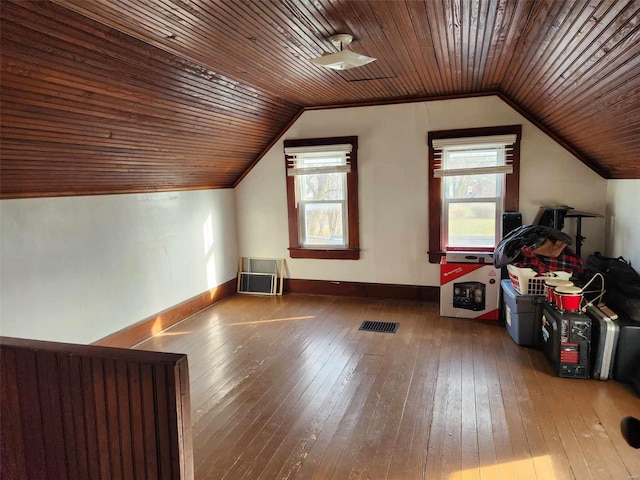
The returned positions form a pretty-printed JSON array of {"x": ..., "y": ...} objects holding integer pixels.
[{"x": 469, "y": 290}]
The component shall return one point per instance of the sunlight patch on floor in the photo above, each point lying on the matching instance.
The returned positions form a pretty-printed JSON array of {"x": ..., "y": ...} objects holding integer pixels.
[
  {"x": 491, "y": 471},
  {"x": 257, "y": 322},
  {"x": 170, "y": 334}
]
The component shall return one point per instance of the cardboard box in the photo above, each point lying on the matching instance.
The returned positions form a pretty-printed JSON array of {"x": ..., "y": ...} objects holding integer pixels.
[{"x": 469, "y": 290}]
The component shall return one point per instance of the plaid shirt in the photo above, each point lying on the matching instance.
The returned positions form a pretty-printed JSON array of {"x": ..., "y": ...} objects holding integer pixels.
[{"x": 567, "y": 261}]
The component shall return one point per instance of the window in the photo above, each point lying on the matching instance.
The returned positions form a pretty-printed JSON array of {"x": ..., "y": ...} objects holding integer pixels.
[
  {"x": 322, "y": 197},
  {"x": 473, "y": 179}
]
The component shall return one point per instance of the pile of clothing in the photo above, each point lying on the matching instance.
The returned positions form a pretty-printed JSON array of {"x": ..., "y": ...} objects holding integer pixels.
[{"x": 540, "y": 248}]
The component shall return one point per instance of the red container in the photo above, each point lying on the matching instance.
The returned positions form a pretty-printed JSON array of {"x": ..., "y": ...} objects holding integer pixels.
[
  {"x": 568, "y": 298},
  {"x": 550, "y": 285}
]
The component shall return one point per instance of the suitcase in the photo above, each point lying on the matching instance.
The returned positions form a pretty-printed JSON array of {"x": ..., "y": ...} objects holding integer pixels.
[
  {"x": 627, "y": 363},
  {"x": 604, "y": 342}
]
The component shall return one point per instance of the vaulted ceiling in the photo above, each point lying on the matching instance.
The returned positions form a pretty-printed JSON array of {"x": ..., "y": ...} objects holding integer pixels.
[{"x": 110, "y": 96}]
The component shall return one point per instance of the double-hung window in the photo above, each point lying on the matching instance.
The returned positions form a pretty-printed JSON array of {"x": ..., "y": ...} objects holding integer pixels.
[
  {"x": 322, "y": 197},
  {"x": 473, "y": 180}
]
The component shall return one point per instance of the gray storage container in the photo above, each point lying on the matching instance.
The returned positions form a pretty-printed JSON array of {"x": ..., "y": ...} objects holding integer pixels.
[{"x": 522, "y": 315}]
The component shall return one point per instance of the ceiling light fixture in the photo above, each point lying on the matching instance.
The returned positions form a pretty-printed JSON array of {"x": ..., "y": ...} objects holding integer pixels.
[{"x": 344, "y": 59}]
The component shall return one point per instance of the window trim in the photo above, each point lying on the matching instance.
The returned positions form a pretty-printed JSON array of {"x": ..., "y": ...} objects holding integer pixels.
[
  {"x": 512, "y": 181},
  {"x": 352, "y": 250}
]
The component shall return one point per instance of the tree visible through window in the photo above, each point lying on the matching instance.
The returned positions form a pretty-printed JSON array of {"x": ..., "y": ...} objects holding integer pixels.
[
  {"x": 473, "y": 179},
  {"x": 322, "y": 203},
  {"x": 322, "y": 197},
  {"x": 472, "y": 203}
]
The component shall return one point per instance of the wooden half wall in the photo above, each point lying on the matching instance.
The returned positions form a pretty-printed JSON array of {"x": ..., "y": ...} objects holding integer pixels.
[{"x": 86, "y": 412}]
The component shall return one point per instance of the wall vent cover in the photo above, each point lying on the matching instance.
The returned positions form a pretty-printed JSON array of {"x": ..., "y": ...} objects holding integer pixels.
[{"x": 383, "y": 327}]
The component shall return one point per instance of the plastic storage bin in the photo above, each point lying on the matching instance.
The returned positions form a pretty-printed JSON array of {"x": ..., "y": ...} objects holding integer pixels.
[
  {"x": 528, "y": 282},
  {"x": 522, "y": 315}
]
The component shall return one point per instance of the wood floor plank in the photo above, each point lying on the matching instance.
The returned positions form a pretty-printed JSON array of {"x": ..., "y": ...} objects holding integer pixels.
[
  {"x": 293, "y": 407},
  {"x": 346, "y": 372},
  {"x": 452, "y": 446},
  {"x": 469, "y": 418},
  {"x": 290, "y": 446},
  {"x": 277, "y": 365},
  {"x": 390, "y": 353},
  {"x": 289, "y": 388},
  {"x": 235, "y": 365},
  {"x": 349, "y": 429},
  {"x": 573, "y": 430},
  {"x": 604, "y": 458},
  {"x": 486, "y": 445},
  {"x": 558, "y": 411},
  {"x": 435, "y": 452},
  {"x": 497, "y": 406},
  {"x": 535, "y": 377},
  {"x": 410, "y": 450},
  {"x": 517, "y": 360},
  {"x": 514, "y": 418},
  {"x": 384, "y": 453},
  {"x": 329, "y": 463}
]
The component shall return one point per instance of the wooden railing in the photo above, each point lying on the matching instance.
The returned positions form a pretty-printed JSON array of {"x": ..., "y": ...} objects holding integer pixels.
[{"x": 86, "y": 412}]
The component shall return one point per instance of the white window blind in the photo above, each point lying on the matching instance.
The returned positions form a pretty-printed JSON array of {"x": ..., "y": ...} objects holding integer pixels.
[
  {"x": 442, "y": 149},
  {"x": 310, "y": 160}
]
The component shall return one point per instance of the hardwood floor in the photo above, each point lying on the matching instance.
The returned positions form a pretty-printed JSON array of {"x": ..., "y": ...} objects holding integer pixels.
[{"x": 289, "y": 388}]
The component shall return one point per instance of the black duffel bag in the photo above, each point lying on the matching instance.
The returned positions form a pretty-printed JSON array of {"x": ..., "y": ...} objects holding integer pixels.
[
  {"x": 621, "y": 281},
  {"x": 618, "y": 274}
]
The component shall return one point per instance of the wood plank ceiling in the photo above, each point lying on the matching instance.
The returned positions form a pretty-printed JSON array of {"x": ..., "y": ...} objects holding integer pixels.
[{"x": 115, "y": 96}]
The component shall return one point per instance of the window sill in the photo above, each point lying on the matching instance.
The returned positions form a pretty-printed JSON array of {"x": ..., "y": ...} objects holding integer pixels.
[{"x": 326, "y": 253}]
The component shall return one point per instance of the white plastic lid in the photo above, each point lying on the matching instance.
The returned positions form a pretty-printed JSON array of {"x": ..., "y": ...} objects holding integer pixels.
[
  {"x": 556, "y": 282},
  {"x": 569, "y": 290}
]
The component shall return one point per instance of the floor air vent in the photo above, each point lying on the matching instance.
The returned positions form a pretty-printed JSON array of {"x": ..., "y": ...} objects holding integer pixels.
[{"x": 384, "y": 327}]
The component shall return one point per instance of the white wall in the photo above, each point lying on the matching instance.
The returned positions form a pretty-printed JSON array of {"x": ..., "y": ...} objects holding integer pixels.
[
  {"x": 623, "y": 220},
  {"x": 76, "y": 269},
  {"x": 392, "y": 169}
]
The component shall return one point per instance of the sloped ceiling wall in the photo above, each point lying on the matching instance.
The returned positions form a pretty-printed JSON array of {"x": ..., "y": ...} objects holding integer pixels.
[{"x": 129, "y": 96}]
